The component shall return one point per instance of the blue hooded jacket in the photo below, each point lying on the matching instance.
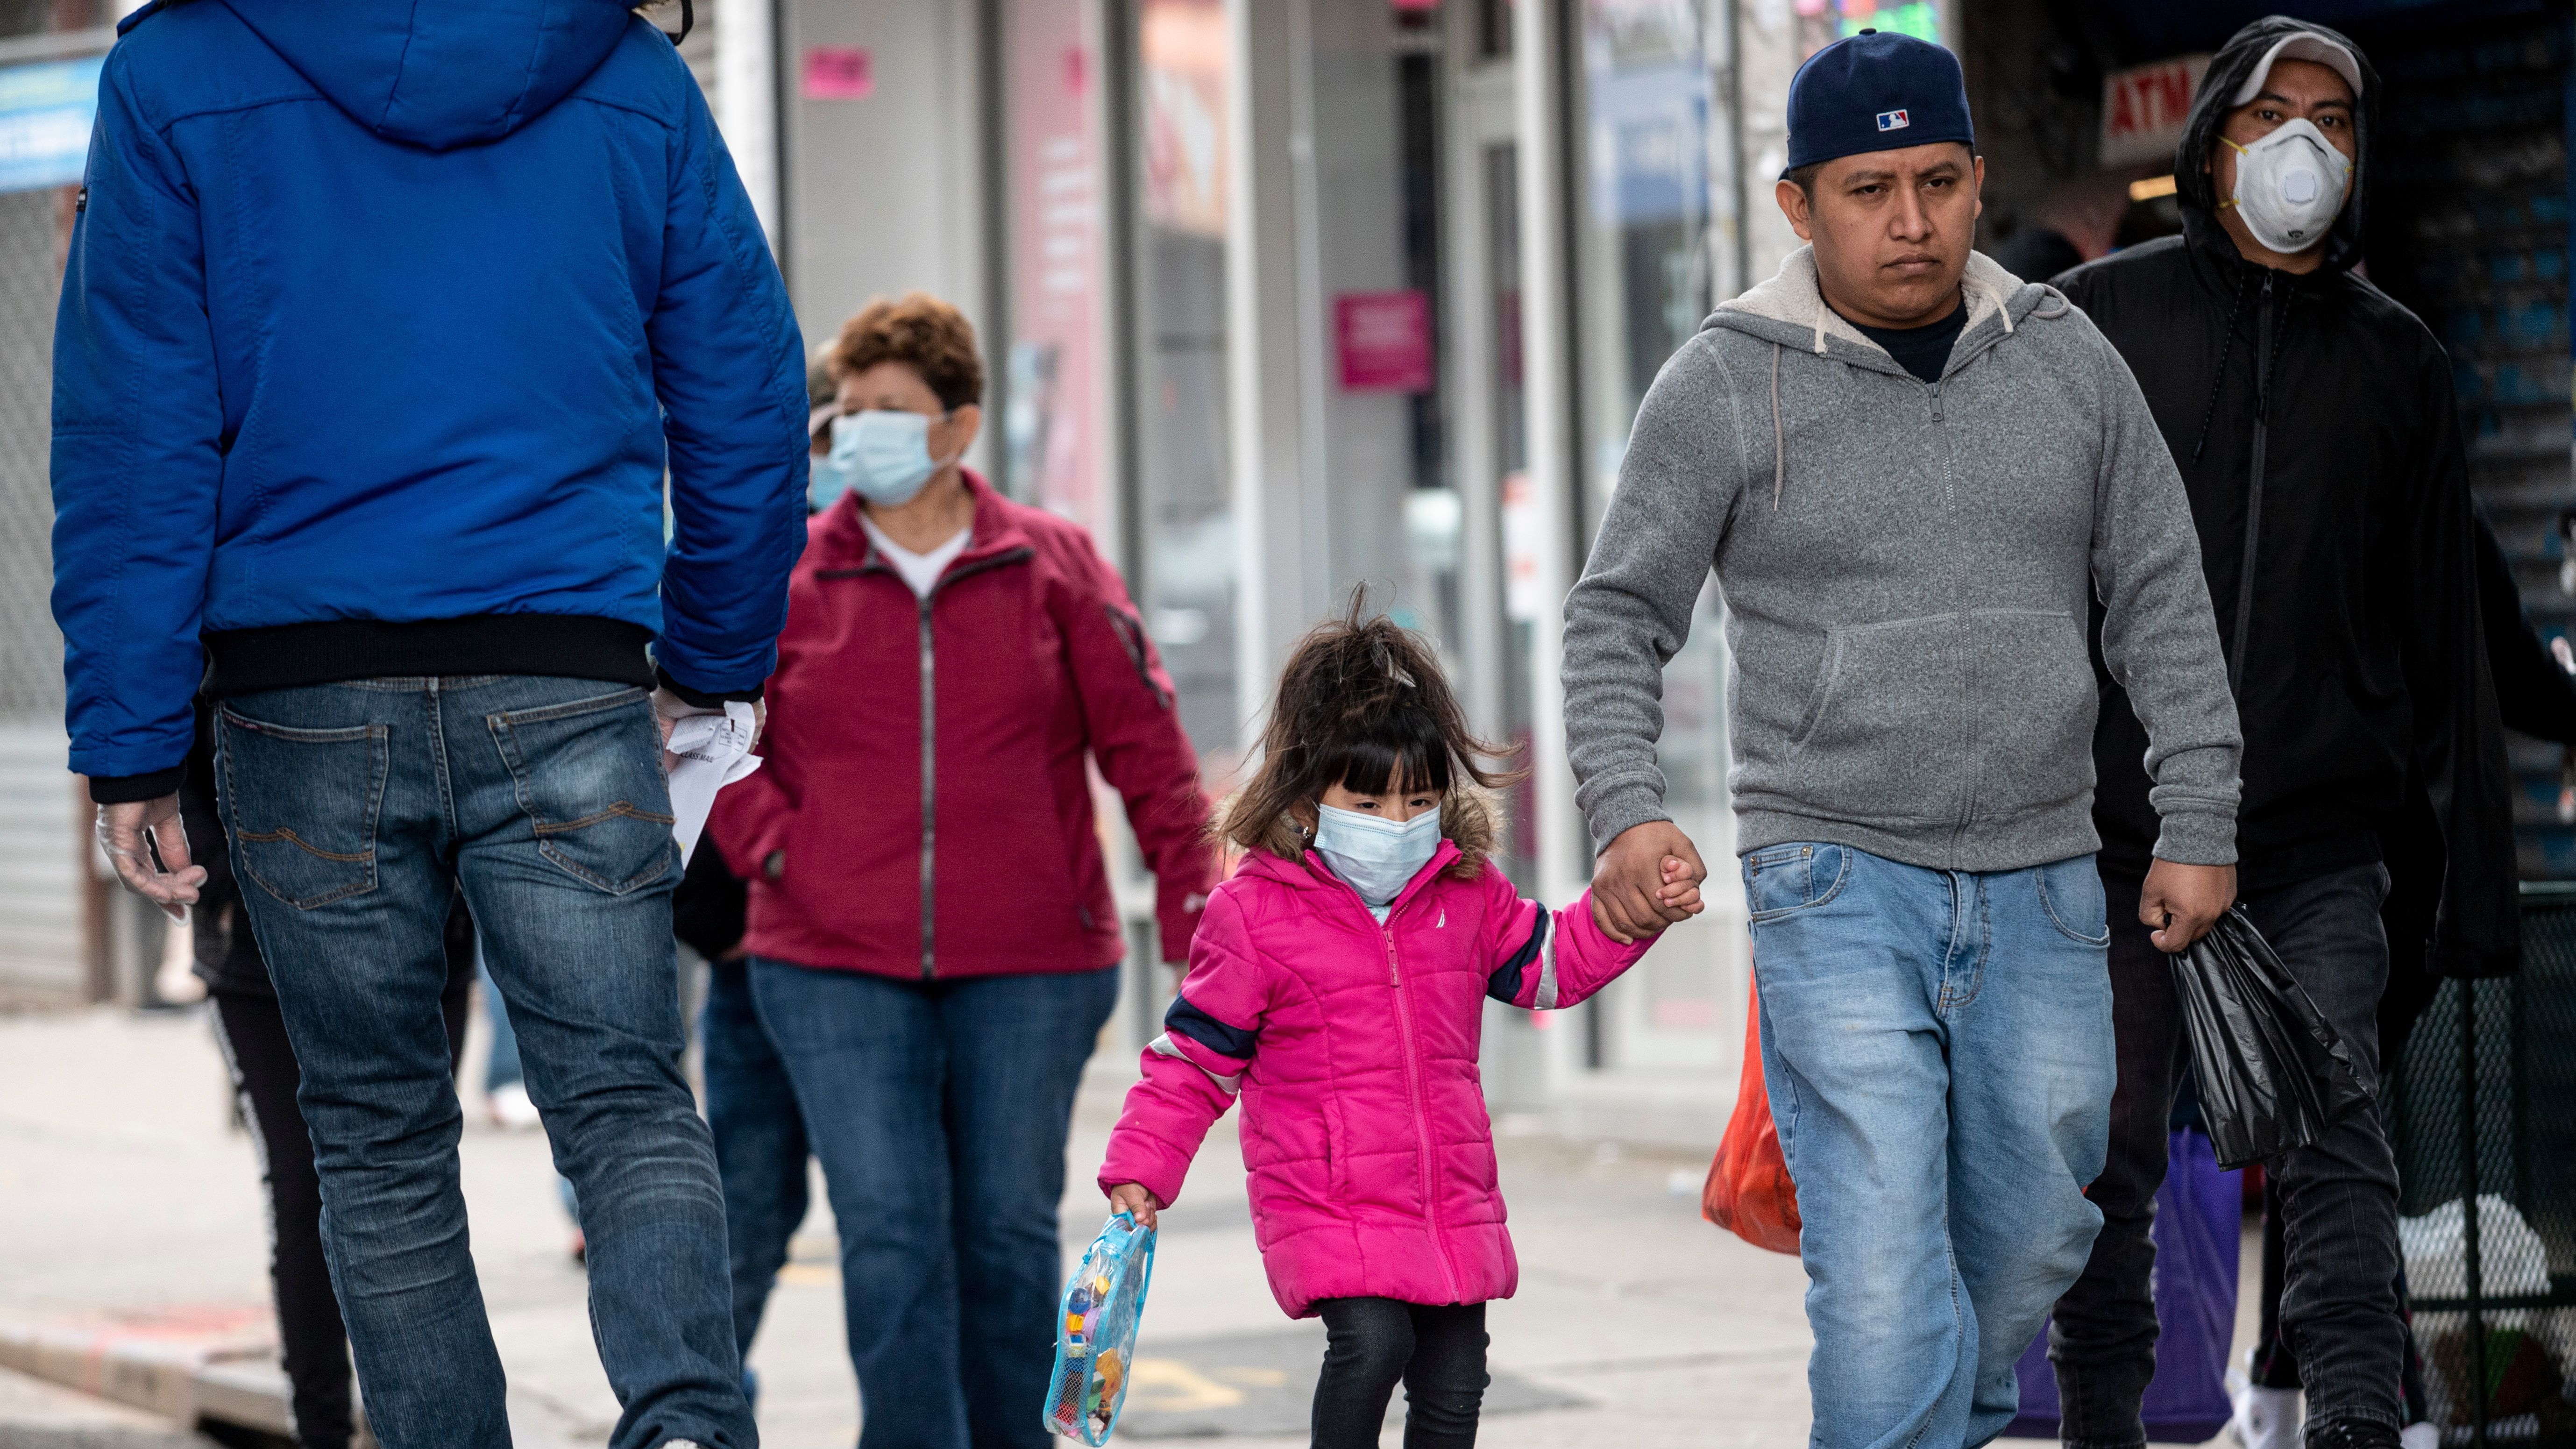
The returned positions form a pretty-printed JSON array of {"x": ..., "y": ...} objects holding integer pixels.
[{"x": 381, "y": 325}]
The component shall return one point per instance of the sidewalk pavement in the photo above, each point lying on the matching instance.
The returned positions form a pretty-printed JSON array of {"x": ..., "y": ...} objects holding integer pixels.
[{"x": 128, "y": 1197}]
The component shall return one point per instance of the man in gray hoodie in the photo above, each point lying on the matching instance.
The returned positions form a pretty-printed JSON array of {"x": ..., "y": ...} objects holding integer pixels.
[{"x": 1912, "y": 473}]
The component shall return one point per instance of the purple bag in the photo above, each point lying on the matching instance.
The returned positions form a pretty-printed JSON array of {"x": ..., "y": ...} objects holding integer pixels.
[{"x": 2199, "y": 1214}]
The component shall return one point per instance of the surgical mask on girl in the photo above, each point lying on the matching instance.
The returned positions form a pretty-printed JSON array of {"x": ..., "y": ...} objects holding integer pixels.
[
  {"x": 2290, "y": 186},
  {"x": 883, "y": 456},
  {"x": 1377, "y": 856}
]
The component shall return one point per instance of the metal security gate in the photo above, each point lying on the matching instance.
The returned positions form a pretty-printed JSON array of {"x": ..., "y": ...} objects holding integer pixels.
[
  {"x": 2482, "y": 1111},
  {"x": 45, "y": 899}
]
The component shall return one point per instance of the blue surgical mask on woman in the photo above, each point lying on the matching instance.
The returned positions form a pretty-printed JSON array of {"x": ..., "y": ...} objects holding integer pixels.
[
  {"x": 883, "y": 456},
  {"x": 1377, "y": 856}
]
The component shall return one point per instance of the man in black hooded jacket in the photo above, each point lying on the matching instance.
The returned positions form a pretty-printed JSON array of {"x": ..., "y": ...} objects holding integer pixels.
[{"x": 2313, "y": 421}]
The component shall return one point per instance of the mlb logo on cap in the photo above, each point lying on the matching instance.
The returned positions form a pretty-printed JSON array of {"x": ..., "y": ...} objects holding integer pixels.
[{"x": 1893, "y": 121}]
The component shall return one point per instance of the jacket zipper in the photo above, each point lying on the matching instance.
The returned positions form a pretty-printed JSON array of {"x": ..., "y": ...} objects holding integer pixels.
[
  {"x": 1949, "y": 499},
  {"x": 1413, "y": 1088},
  {"x": 1421, "y": 1119},
  {"x": 2253, "y": 489},
  {"x": 929, "y": 785},
  {"x": 929, "y": 732}
]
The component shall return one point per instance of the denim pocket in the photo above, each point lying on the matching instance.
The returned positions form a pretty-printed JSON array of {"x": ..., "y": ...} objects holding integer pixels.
[
  {"x": 2034, "y": 707},
  {"x": 1783, "y": 878},
  {"x": 589, "y": 776},
  {"x": 2070, "y": 891},
  {"x": 302, "y": 804}
]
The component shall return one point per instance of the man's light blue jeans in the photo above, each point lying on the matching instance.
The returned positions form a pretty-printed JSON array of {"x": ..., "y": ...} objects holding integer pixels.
[{"x": 1938, "y": 1050}]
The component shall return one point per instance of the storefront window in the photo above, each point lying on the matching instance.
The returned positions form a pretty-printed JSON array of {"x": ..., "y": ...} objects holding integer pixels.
[
  {"x": 1645, "y": 250},
  {"x": 1822, "y": 22},
  {"x": 1186, "y": 579},
  {"x": 1393, "y": 520},
  {"x": 1052, "y": 428}
]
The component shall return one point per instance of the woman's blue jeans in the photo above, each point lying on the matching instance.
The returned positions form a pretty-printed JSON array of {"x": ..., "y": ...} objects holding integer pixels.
[
  {"x": 939, "y": 1110},
  {"x": 355, "y": 812},
  {"x": 1938, "y": 1050}
]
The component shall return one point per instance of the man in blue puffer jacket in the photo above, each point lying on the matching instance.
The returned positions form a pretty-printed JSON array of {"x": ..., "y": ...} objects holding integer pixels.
[{"x": 382, "y": 324}]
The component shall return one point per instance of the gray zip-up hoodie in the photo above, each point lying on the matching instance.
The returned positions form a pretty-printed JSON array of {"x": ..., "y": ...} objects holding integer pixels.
[{"x": 1907, "y": 569}]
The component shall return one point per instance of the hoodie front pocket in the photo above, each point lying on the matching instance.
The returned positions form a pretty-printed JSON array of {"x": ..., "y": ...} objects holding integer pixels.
[
  {"x": 1880, "y": 739},
  {"x": 2031, "y": 705}
]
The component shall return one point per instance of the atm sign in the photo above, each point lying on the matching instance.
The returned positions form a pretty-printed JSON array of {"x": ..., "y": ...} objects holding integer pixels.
[{"x": 2144, "y": 108}]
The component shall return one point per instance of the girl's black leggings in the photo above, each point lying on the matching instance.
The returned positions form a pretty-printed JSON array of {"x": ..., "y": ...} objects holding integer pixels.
[{"x": 1371, "y": 1343}]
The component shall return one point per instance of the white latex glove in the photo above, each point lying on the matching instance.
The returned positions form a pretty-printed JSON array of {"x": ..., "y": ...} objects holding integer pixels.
[
  {"x": 122, "y": 834},
  {"x": 669, "y": 709},
  {"x": 703, "y": 752}
]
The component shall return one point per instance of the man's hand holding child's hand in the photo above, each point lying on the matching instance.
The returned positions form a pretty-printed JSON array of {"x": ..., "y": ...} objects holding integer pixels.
[
  {"x": 1648, "y": 879},
  {"x": 1131, "y": 1197}
]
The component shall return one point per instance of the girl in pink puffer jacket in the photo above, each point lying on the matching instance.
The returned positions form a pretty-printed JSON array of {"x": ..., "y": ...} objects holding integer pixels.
[{"x": 1337, "y": 984}]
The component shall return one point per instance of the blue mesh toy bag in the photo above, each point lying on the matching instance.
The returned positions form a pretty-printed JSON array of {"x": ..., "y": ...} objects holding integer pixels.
[{"x": 1095, "y": 1332}]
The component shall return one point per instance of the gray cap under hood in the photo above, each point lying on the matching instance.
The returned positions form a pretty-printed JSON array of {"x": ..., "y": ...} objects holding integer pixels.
[{"x": 2227, "y": 71}]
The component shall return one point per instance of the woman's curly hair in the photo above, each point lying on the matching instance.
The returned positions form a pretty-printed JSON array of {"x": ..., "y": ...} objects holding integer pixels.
[
  {"x": 1363, "y": 704},
  {"x": 918, "y": 329}
]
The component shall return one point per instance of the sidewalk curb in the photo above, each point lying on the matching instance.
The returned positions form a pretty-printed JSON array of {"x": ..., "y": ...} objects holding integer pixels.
[{"x": 184, "y": 1366}]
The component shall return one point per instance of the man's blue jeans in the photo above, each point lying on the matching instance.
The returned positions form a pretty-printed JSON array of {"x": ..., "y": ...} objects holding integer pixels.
[
  {"x": 939, "y": 1110},
  {"x": 1938, "y": 1050},
  {"x": 356, "y": 811}
]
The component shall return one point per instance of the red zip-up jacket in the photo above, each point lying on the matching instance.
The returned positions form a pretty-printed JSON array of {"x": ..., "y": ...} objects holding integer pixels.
[{"x": 978, "y": 854}]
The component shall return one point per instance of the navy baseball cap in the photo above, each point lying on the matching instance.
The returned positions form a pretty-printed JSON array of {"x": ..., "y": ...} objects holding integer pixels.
[{"x": 1876, "y": 91}]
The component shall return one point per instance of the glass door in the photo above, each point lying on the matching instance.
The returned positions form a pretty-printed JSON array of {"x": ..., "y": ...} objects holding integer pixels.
[{"x": 1644, "y": 248}]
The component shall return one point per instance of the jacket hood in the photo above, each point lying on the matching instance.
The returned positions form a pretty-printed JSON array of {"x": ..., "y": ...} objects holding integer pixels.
[
  {"x": 2193, "y": 187},
  {"x": 1470, "y": 825},
  {"x": 1790, "y": 308},
  {"x": 439, "y": 76},
  {"x": 1789, "y": 311}
]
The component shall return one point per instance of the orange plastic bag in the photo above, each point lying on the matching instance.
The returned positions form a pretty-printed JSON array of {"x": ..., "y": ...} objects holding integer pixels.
[{"x": 1748, "y": 1191}]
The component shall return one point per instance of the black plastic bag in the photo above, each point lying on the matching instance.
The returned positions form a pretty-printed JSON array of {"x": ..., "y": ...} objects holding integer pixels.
[{"x": 2272, "y": 1074}]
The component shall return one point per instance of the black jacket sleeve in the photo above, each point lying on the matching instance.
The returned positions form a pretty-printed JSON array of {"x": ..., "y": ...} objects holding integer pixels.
[
  {"x": 2459, "y": 738},
  {"x": 2534, "y": 694}
]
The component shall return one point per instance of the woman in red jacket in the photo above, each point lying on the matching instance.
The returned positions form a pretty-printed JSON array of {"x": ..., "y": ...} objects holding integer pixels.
[{"x": 934, "y": 946}]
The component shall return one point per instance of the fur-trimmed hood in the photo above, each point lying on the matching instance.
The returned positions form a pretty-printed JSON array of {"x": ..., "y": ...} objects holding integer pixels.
[{"x": 1470, "y": 819}]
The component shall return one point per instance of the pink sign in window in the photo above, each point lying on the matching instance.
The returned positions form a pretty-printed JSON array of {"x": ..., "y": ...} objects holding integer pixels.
[
  {"x": 1384, "y": 341},
  {"x": 839, "y": 73}
]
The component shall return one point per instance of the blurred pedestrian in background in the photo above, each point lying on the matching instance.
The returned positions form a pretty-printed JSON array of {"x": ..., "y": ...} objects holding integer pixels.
[
  {"x": 311, "y": 1338},
  {"x": 933, "y": 942},
  {"x": 2319, "y": 442},
  {"x": 2076, "y": 222},
  {"x": 372, "y": 437}
]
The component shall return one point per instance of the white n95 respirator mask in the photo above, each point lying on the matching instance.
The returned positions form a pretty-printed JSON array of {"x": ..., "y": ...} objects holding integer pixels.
[{"x": 2290, "y": 186}]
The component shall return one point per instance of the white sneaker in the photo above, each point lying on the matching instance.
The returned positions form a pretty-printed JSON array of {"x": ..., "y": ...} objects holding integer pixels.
[
  {"x": 2422, "y": 1434},
  {"x": 2266, "y": 1418},
  {"x": 511, "y": 1109}
]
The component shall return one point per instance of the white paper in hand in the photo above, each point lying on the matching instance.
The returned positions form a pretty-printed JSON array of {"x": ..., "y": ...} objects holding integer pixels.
[{"x": 713, "y": 750}]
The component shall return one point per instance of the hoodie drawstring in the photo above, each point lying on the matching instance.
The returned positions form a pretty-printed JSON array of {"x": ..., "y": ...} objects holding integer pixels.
[
  {"x": 1779, "y": 449},
  {"x": 2218, "y": 375}
]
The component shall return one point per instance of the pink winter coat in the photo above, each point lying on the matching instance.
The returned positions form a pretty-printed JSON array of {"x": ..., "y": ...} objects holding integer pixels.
[{"x": 1353, "y": 1046}]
